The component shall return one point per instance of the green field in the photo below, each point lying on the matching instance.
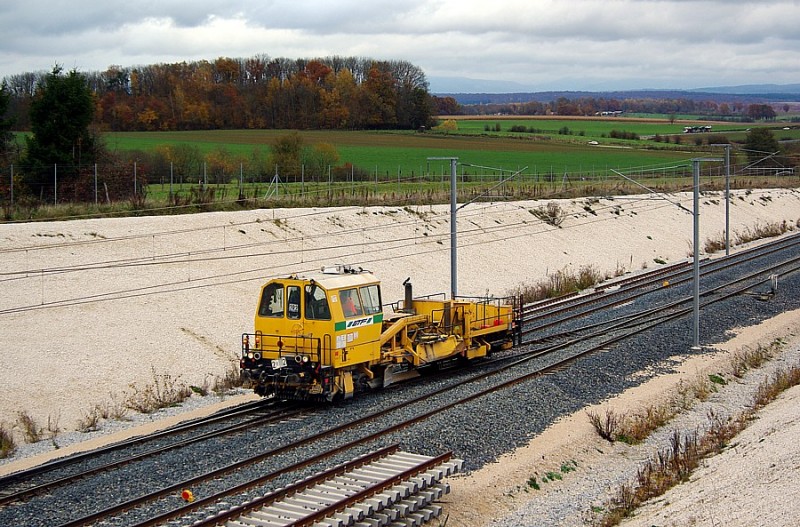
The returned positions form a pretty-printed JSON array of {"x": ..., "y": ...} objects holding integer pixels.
[
  {"x": 553, "y": 157},
  {"x": 405, "y": 154},
  {"x": 597, "y": 128}
]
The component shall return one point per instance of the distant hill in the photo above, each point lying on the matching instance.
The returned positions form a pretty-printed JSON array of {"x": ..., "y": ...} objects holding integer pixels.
[
  {"x": 702, "y": 94},
  {"x": 467, "y": 85},
  {"x": 481, "y": 91},
  {"x": 755, "y": 89}
]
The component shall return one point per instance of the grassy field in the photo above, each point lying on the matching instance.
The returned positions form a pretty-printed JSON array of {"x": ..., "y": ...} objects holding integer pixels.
[
  {"x": 595, "y": 128},
  {"x": 556, "y": 157},
  {"x": 406, "y": 154}
]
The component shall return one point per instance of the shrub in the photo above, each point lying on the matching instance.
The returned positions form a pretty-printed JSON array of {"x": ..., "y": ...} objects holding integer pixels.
[
  {"x": 7, "y": 444},
  {"x": 558, "y": 284},
  {"x": 164, "y": 392},
  {"x": 607, "y": 426},
  {"x": 552, "y": 214},
  {"x": 30, "y": 428},
  {"x": 90, "y": 422},
  {"x": 230, "y": 380}
]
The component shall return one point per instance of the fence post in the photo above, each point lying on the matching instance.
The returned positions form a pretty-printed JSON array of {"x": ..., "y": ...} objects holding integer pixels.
[
  {"x": 55, "y": 184},
  {"x": 135, "y": 189},
  {"x": 95, "y": 183},
  {"x": 12, "y": 184},
  {"x": 170, "y": 179}
]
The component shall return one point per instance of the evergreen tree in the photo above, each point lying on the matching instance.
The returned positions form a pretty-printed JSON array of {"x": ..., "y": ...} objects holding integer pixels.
[
  {"x": 6, "y": 137},
  {"x": 759, "y": 144},
  {"x": 60, "y": 114}
]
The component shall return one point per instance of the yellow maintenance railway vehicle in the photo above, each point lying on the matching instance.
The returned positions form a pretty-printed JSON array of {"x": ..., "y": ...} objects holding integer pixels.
[{"x": 326, "y": 336}]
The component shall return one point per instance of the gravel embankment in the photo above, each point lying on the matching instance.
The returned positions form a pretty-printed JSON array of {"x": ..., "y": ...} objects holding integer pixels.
[{"x": 479, "y": 432}]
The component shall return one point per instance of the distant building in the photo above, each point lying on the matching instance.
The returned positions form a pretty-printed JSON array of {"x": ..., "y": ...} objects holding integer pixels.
[{"x": 696, "y": 129}]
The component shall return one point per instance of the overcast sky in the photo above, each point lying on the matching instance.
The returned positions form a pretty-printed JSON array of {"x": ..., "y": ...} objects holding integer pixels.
[{"x": 540, "y": 44}]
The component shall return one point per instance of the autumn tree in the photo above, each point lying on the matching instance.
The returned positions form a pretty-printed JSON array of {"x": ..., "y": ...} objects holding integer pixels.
[
  {"x": 322, "y": 156},
  {"x": 286, "y": 154},
  {"x": 379, "y": 98},
  {"x": 760, "y": 111}
]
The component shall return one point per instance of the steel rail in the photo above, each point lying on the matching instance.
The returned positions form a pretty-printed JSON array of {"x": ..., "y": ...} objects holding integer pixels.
[
  {"x": 28, "y": 492},
  {"x": 396, "y": 426}
]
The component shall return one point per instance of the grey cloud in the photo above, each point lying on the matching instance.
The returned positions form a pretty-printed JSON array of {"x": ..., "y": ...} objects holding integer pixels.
[{"x": 526, "y": 40}]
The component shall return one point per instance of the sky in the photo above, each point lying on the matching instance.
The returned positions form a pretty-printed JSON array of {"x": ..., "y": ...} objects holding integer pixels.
[{"x": 513, "y": 45}]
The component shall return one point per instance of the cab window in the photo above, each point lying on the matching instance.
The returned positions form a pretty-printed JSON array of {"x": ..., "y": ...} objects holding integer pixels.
[
  {"x": 316, "y": 301},
  {"x": 293, "y": 305},
  {"x": 271, "y": 301},
  {"x": 351, "y": 304},
  {"x": 371, "y": 299}
]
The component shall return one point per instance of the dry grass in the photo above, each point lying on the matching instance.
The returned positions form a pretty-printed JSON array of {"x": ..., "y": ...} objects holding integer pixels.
[
  {"x": 552, "y": 214},
  {"x": 561, "y": 283},
  {"x": 31, "y": 430},
  {"x": 749, "y": 234},
  {"x": 693, "y": 390},
  {"x": 675, "y": 463},
  {"x": 748, "y": 359},
  {"x": 53, "y": 428},
  {"x": 90, "y": 422},
  {"x": 164, "y": 392},
  {"x": 7, "y": 444},
  {"x": 781, "y": 381},
  {"x": 636, "y": 427},
  {"x": 607, "y": 426},
  {"x": 230, "y": 380}
]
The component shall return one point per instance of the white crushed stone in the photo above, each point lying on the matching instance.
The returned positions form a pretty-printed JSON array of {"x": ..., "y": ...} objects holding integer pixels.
[{"x": 59, "y": 362}]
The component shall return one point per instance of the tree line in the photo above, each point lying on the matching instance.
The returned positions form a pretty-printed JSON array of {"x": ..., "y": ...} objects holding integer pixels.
[
  {"x": 257, "y": 92},
  {"x": 589, "y": 106}
]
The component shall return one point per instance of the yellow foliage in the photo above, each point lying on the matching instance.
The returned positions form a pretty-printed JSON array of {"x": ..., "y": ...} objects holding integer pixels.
[{"x": 449, "y": 125}]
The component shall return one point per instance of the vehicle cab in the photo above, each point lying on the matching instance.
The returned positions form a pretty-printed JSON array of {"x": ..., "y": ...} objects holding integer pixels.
[{"x": 308, "y": 327}]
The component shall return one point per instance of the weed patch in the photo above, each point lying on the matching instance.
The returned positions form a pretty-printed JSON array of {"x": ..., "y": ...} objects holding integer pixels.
[
  {"x": 552, "y": 214},
  {"x": 32, "y": 431},
  {"x": 164, "y": 392},
  {"x": 7, "y": 444},
  {"x": 675, "y": 463},
  {"x": 561, "y": 283}
]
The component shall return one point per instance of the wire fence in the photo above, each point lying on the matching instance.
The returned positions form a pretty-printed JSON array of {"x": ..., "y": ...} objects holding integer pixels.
[{"x": 106, "y": 184}]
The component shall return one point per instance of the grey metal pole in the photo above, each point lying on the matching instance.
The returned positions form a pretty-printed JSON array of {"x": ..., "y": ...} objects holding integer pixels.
[
  {"x": 727, "y": 200},
  {"x": 453, "y": 231},
  {"x": 12, "y": 185},
  {"x": 95, "y": 183},
  {"x": 696, "y": 251}
]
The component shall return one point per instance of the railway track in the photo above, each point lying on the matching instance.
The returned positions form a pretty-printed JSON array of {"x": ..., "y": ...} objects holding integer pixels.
[
  {"x": 38, "y": 480},
  {"x": 272, "y": 468}
]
